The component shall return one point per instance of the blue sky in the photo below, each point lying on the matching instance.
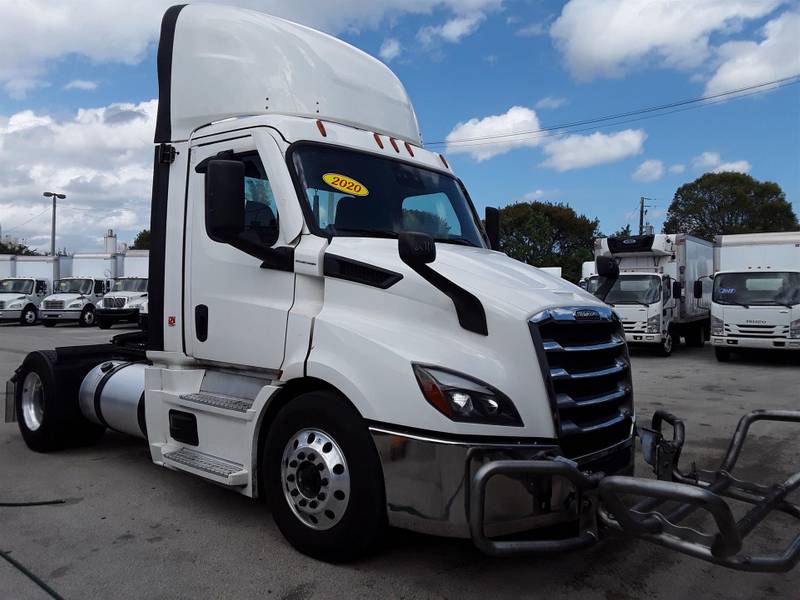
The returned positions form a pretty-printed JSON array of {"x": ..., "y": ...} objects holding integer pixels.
[{"x": 466, "y": 65}]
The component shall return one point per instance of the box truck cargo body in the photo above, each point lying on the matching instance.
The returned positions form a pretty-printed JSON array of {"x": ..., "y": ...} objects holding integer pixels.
[
  {"x": 756, "y": 296},
  {"x": 8, "y": 265},
  {"x": 329, "y": 326},
  {"x": 654, "y": 295},
  {"x": 44, "y": 267}
]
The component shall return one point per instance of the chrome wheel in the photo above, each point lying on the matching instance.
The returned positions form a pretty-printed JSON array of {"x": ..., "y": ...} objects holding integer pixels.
[
  {"x": 667, "y": 344},
  {"x": 88, "y": 317},
  {"x": 32, "y": 401},
  {"x": 29, "y": 316},
  {"x": 315, "y": 478}
]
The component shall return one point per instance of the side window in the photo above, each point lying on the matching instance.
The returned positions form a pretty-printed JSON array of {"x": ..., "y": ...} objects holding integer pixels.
[
  {"x": 261, "y": 212},
  {"x": 99, "y": 287},
  {"x": 667, "y": 289},
  {"x": 41, "y": 287},
  {"x": 432, "y": 214}
]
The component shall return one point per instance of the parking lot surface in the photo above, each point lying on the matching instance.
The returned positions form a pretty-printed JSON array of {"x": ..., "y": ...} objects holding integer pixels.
[{"x": 129, "y": 529}]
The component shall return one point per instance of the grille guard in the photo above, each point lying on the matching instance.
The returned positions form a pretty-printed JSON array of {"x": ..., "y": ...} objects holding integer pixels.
[{"x": 601, "y": 510}]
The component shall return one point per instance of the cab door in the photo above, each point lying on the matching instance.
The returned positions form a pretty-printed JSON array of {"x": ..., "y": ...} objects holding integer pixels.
[{"x": 236, "y": 305}]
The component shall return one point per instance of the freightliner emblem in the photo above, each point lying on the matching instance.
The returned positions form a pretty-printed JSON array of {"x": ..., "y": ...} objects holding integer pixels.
[{"x": 586, "y": 315}]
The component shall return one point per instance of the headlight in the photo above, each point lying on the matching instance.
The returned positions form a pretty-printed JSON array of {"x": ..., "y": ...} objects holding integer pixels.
[
  {"x": 77, "y": 304},
  {"x": 15, "y": 305},
  {"x": 794, "y": 329},
  {"x": 716, "y": 326},
  {"x": 654, "y": 324},
  {"x": 462, "y": 398}
]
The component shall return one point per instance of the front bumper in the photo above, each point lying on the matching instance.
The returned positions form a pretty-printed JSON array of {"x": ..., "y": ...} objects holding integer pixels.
[
  {"x": 759, "y": 343},
  {"x": 131, "y": 314},
  {"x": 432, "y": 485},
  {"x": 637, "y": 337},
  {"x": 60, "y": 315},
  {"x": 10, "y": 315}
]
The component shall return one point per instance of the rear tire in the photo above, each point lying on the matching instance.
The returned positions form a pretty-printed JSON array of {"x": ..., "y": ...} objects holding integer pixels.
[
  {"x": 87, "y": 317},
  {"x": 695, "y": 336},
  {"x": 345, "y": 526},
  {"x": 665, "y": 347},
  {"x": 49, "y": 323},
  {"x": 104, "y": 323},
  {"x": 722, "y": 354},
  {"x": 46, "y": 402},
  {"x": 29, "y": 315}
]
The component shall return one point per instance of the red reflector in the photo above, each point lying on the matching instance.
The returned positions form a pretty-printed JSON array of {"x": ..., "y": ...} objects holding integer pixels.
[
  {"x": 444, "y": 162},
  {"x": 379, "y": 141},
  {"x": 408, "y": 147},
  {"x": 394, "y": 144},
  {"x": 321, "y": 128}
]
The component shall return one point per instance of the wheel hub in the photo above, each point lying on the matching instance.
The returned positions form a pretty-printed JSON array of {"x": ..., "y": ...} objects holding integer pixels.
[
  {"x": 315, "y": 478},
  {"x": 32, "y": 401}
]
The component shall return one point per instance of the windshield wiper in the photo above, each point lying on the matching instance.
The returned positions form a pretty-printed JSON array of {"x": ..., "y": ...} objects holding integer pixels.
[
  {"x": 456, "y": 240},
  {"x": 735, "y": 303},
  {"x": 631, "y": 302},
  {"x": 368, "y": 232}
]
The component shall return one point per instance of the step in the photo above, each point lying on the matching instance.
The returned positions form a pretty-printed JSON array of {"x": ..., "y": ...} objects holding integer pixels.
[
  {"x": 220, "y": 401},
  {"x": 205, "y": 465}
]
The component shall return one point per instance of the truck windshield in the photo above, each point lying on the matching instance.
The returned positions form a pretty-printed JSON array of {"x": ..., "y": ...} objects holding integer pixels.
[
  {"x": 757, "y": 288},
  {"x": 73, "y": 286},
  {"x": 635, "y": 289},
  {"x": 16, "y": 286},
  {"x": 357, "y": 194},
  {"x": 130, "y": 285}
]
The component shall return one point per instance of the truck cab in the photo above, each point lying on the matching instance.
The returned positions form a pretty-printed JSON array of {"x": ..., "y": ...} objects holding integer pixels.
[
  {"x": 20, "y": 298},
  {"x": 123, "y": 303},
  {"x": 74, "y": 299}
]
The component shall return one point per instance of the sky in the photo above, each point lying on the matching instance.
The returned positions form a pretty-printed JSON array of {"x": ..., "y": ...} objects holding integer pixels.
[{"x": 78, "y": 97}]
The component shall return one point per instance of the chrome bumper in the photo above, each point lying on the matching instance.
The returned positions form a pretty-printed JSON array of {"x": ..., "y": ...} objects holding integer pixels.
[
  {"x": 757, "y": 343},
  {"x": 638, "y": 337},
  {"x": 10, "y": 315},
  {"x": 431, "y": 484},
  {"x": 60, "y": 315}
]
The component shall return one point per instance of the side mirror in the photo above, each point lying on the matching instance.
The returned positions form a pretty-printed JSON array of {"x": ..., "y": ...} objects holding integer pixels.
[
  {"x": 492, "y": 224},
  {"x": 676, "y": 290},
  {"x": 224, "y": 199},
  {"x": 416, "y": 248},
  {"x": 607, "y": 267},
  {"x": 698, "y": 289}
]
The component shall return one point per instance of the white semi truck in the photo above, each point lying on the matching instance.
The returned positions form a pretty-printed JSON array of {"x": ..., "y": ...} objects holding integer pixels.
[
  {"x": 128, "y": 294},
  {"x": 330, "y": 329},
  {"x": 73, "y": 299},
  {"x": 20, "y": 298},
  {"x": 654, "y": 294},
  {"x": 756, "y": 299}
]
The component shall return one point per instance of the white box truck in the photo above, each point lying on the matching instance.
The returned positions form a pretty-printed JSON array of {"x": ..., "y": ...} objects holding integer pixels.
[
  {"x": 654, "y": 295},
  {"x": 330, "y": 328},
  {"x": 20, "y": 298},
  {"x": 128, "y": 294},
  {"x": 76, "y": 298},
  {"x": 756, "y": 299},
  {"x": 8, "y": 265}
]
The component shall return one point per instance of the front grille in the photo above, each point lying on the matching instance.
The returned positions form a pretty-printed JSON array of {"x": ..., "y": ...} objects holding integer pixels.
[
  {"x": 53, "y": 304},
  {"x": 586, "y": 367},
  {"x": 746, "y": 330},
  {"x": 113, "y": 302}
]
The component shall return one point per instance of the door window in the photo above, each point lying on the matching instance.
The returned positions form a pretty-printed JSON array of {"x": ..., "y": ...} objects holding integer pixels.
[{"x": 261, "y": 212}]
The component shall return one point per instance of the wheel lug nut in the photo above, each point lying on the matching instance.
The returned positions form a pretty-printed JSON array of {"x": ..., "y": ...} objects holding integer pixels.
[{"x": 321, "y": 496}]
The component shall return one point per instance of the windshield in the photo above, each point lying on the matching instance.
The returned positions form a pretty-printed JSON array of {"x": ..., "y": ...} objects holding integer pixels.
[
  {"x": 73, "y": 286},
  {"x": 130, "y": 285},
  {"x": 757, "y": 288},
  {"x": 16, "y": 286},
  {"x": 356, "y": 194},
  {"x": 635, "y": 289}
]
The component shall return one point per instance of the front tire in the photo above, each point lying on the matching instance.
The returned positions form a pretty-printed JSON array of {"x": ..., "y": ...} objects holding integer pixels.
[
  {"x": 323, "y": 478},
  {"x": 104, "y": 323},
  {"x": 49, "y": 323},
  {"x": 665, "y": 347},
  {"x": 29, "y": 315},
  {"x": 87, "y": 318}
]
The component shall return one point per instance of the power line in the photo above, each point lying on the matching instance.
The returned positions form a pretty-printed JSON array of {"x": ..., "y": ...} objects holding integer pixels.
[
  {"x": 29, "y": 220},
  {"x": 777, "y": 83}
]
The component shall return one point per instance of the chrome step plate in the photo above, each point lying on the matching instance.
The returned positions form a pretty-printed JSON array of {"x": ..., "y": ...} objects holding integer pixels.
[
  {"x": 233, "y": 473},
  {"x": 220, "y": 401}
]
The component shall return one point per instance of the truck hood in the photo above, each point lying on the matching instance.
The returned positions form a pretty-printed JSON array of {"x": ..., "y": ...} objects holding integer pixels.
[
  {"x": 11, "y": 297},
  {"x": 501, "y": 283},
  {"x": 759, "y": 315},
  {"x": 634, "y": 312},
  {"x": 128, "y": 295},
  {"x": 64, "y": 297}
]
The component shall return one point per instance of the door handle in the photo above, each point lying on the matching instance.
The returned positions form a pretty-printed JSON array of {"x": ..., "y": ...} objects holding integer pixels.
[{"x": 201, "y": 322}]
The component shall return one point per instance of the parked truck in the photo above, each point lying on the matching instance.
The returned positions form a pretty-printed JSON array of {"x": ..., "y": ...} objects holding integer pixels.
[
  {"x": 20, "y": 298},
  {"x": 330, "y": 328},
  {"x": 74, "y": 299},
  {"x": 756, "y": 299},
  {"x": 128, "y": 293},
  {"x": 654, "y": 295}
]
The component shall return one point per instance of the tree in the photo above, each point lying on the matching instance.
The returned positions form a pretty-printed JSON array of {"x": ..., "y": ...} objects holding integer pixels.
[
  {"x": 9, "y": 247},
  {"x": 726, "y": 203},
  {"x": 548, "y": 235},
  {"x": 142, "y": 241},
  {"x": 623, "y": 233}
]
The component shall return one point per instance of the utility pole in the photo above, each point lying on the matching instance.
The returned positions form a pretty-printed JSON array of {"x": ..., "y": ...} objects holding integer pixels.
[
  {"x": 54, "y": 196},
  {"x": 642, "y": 212}
]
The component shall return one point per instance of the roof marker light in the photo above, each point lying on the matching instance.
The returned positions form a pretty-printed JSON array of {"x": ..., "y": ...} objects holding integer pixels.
[
  {"x": 321, "y": 128},
  {"x": 394, "y": 144},
  {"x": 444, "y": 161},
  {"x": 378, "y": 141},
  {"x": 408, "y": 147}
]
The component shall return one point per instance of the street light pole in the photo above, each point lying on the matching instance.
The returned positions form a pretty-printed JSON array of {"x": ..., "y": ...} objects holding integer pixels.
[{"x": 54, "y": 196}]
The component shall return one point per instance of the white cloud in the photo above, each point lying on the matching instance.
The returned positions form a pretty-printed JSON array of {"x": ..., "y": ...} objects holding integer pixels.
[
  {"x": 34, "y": 33},
  {"x": 746, "y": 63},
  {"x": 577, "y": 151},
  {"x": 451, "y": 31},
  {"x": 650, "y": 170},
  {"x": 19, "y": 87},
  {"x": 532, "y": 30},
  {"x": 677, "y": 169},
  {"x": 550, "y": 102},
  {"x": 605, "y": 38},
  {"x": 539, "y": 194},
  {"x": 516, "y": 119},
  {"x": 100, "y": 157},
  {"x": 81, "y": 84},
  {"x": 712, "y": 161},
  {"x": 390, "y": 49}
]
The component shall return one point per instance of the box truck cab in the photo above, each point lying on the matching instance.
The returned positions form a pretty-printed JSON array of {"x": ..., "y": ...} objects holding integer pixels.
[
  {"x": 20, "y": 298},
  {"x": 756, "y": 295},
  {"x": 123, "y": 302},
  {"x": 328, "y": 325},
  {"x": 654, "y": 295},
  {"x": 74, "y": 299}
]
